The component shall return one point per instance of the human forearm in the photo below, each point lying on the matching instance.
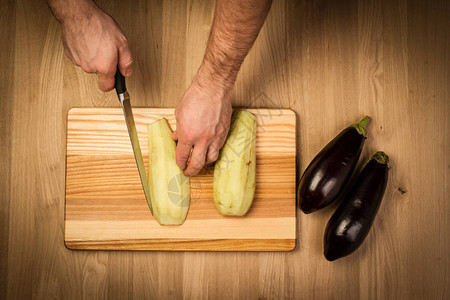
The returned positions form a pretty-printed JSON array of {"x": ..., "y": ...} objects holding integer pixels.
[
  {"x": 71, "y": 10},
  {"x": 203, "y": 114},
  {"x": 235, "y": 28}
]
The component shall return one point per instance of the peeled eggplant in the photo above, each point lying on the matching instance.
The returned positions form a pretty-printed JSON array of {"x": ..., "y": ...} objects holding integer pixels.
[
  {"x": 169, "y": 187},
  {"x": 235, "y": 169}
]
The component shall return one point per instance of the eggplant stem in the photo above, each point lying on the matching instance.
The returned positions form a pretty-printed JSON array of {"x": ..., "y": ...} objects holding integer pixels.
[
  {"x": 361, "y": 126},
  {"x": 381, "y": 157}
]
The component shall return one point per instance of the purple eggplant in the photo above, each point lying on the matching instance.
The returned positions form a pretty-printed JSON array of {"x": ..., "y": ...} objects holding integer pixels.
[
  {"x": 351, "y": 222},
  {"x": 329, "y": 172}
]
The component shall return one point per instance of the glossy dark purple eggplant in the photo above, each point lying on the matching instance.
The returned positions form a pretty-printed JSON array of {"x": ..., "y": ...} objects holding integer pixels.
[
  {"x": 351, "y": 222},
  {"x": 329, "y": 172}
]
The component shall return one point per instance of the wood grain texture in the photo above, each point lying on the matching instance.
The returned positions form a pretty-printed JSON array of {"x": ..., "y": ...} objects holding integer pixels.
[
  {"x": 6, "y": 108},
  {"x": 329, "y": 61},
  {"x": 106, "y": 208}
]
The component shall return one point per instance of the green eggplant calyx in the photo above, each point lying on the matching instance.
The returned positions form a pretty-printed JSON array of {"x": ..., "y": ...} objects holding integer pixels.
[
  {"x": 361, "y": 126},
  {"x": 381, "y": 157}
]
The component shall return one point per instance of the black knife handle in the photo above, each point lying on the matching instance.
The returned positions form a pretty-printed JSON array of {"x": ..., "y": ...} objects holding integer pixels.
[{"x": 120, "y": 83}]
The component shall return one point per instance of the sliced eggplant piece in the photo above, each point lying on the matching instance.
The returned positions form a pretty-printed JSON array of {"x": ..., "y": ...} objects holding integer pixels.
[
  {"x": 235, "y": 169},
  {"x": 169, "y": 187}
]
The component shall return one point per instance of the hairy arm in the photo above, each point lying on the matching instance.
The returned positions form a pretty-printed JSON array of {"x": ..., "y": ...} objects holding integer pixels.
[
  {"x": 235, "y": 28},
  {"x": 203, "y": 114},
  {"x": 92, "y": 40}
]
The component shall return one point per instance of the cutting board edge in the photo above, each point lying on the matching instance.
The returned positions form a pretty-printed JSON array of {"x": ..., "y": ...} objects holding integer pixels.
[{"x": 187, "y": 245}]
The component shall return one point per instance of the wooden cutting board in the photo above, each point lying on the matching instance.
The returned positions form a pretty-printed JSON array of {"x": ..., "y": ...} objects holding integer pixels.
[{"x": 106, "y": 207}]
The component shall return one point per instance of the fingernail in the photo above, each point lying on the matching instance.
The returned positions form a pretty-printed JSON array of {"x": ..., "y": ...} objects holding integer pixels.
[{"x": 128, "y": 71}]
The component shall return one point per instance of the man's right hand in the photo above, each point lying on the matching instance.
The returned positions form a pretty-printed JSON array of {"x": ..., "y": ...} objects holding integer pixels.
[{"x": 94, "y": 41}]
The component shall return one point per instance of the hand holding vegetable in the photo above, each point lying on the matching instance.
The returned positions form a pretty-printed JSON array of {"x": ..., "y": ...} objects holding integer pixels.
[
  {"x": 203, "y": 120},
  {"x": 203, "y": 114}
]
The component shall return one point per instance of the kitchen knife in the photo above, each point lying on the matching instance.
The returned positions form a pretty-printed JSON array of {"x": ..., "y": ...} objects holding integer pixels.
[{"x": 124, "y": 99}]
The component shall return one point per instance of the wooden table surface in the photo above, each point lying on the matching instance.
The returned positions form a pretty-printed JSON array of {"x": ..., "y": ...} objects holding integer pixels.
[{"x": 330, "y": 61}]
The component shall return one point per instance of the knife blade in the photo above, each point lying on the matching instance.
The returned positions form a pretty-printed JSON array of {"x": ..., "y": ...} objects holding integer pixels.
[{"x": 124, "y": 99}]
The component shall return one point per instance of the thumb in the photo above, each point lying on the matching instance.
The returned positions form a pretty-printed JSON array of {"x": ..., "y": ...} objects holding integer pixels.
[
  {"x": 125, "y": 59},
  {"x": 174, "y": 136}
]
